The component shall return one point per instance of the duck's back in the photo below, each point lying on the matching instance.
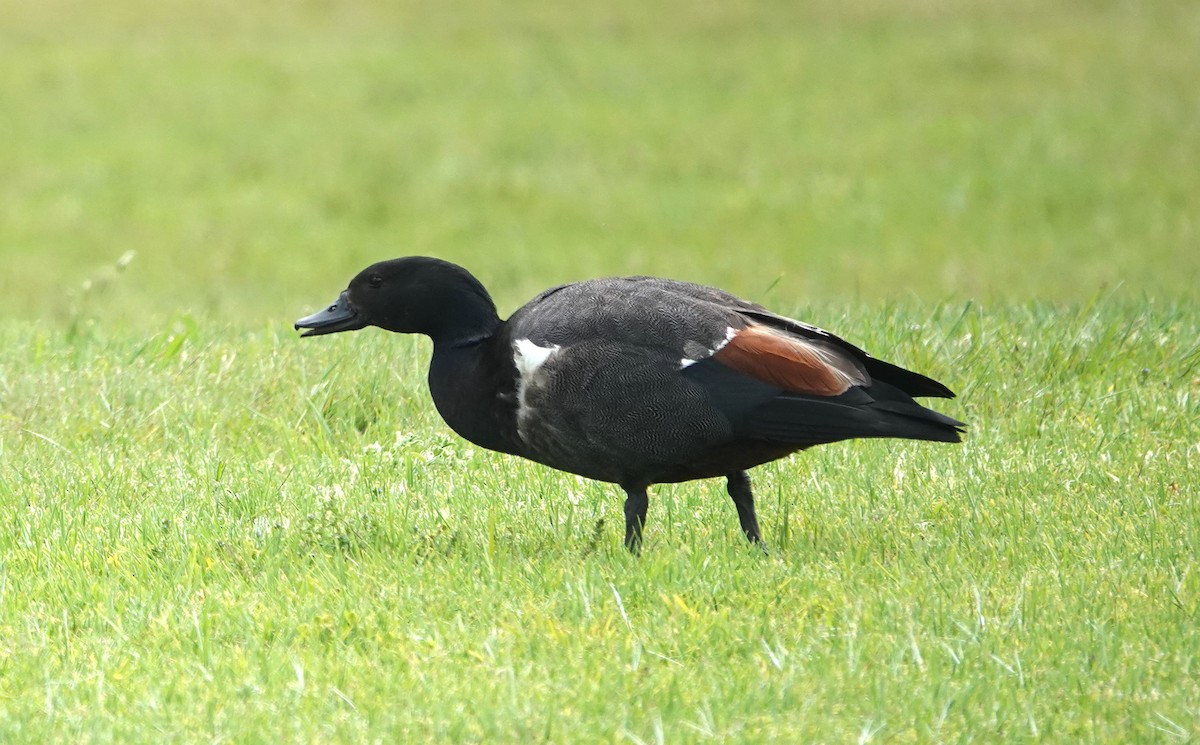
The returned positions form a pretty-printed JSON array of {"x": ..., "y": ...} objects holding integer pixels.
[{"x": 639, "y": 311}]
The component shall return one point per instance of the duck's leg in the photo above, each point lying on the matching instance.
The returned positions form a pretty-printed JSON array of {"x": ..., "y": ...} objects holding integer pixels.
[
  {"x": 738, "y": 487},
  {"x": 636, "y": 502}
]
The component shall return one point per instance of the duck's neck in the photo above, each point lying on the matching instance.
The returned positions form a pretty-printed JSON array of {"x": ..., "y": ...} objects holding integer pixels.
[
  {"x": 473, "y": 384},
  {"x": 468, "y": 316}
]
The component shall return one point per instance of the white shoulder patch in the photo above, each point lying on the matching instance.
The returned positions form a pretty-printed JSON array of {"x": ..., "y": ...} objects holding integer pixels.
[{"x": 529, "y": 356}]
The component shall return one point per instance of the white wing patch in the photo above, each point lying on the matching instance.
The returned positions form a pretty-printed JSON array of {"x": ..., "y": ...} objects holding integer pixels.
[
  {"x": 699, "y": 352},
  {"x": 729, "y": 334}
]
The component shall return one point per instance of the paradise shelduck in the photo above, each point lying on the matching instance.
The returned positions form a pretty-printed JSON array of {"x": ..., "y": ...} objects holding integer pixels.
[{"x": 636, "y": 380}]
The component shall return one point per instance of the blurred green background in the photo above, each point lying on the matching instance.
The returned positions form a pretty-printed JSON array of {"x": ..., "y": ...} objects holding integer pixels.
[
  {"x": 256, "y": 155},
  {"x": 218, "y": 533}
]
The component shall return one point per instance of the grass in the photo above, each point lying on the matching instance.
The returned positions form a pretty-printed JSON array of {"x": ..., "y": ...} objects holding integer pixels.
[
  {"x": 239, "y": 536},
  {"x": 215, "y": 532}
]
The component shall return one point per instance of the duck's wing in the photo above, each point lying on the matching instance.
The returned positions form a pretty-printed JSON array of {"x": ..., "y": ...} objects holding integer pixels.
[
  {"x": 801, "y": 384},
  {"x": 783, "y": 379},
  {"x": 912, "y": 383}
]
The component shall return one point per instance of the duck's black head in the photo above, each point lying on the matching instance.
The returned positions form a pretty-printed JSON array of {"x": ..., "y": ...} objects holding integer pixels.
[{"x": 413, "y": 295}]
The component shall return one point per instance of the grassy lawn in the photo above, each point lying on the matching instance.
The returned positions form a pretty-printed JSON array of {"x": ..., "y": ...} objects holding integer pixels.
[{"x": 215, "y": 532}]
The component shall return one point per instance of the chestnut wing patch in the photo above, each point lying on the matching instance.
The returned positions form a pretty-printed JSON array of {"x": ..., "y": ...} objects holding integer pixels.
[{"x": 791, "y": 363}]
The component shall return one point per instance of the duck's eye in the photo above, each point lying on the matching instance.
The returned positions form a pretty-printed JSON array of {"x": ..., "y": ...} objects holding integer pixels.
[{"x": 375, "y": 280}]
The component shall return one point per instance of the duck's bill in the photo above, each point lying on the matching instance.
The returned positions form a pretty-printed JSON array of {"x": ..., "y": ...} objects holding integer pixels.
[{"x": 337, "y": 317}]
